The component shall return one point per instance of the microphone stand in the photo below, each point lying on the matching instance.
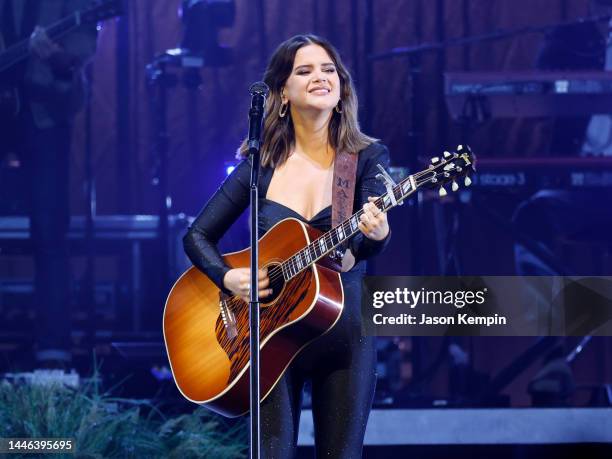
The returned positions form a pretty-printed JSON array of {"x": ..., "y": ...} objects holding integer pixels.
[{"x": 258, "y": 91}]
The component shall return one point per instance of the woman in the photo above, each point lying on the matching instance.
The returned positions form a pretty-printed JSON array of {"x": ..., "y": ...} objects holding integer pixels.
[{"x": 311, "y": 114}]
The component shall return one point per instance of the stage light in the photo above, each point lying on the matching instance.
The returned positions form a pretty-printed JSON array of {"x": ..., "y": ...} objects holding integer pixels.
[{"x": 230, "y": 169}]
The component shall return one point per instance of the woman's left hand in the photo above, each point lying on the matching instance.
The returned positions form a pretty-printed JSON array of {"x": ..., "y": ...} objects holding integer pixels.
[{"x": 373, "y": 222}]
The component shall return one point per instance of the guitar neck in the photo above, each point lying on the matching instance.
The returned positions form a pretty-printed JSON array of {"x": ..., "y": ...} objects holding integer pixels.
[
  {"x": 21, "y": 50},
  {"x": 438, "y": 173},
  {"x": 328, "y": 242}
]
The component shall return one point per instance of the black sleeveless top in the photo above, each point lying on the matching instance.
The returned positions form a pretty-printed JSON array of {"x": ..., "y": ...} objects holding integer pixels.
[{"x": 232, "y": 198}]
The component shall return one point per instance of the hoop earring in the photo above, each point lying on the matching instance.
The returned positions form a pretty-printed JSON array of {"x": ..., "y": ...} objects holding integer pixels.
[
  {"x": 338, "y": 107},
  {"x": 282, "y": 111}
]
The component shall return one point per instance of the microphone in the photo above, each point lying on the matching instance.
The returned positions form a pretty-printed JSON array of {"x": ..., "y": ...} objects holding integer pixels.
[{"x": 259, "y": 91}]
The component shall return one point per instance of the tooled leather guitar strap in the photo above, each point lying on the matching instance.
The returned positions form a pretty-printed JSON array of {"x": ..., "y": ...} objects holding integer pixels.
[{"x": 343, "y": 190}]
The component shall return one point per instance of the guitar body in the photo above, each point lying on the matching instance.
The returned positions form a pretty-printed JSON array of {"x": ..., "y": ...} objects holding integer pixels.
[{"x": 207, "y": 332}]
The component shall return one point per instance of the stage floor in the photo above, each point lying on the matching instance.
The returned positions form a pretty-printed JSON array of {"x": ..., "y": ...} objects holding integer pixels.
[{"x": 482, "y": 426}]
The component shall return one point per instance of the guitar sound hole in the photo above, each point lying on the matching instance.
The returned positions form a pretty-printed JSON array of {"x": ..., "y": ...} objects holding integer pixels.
[{"x": 277, "y": 282}]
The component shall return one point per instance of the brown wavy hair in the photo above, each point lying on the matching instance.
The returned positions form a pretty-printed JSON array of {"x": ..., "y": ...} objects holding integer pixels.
[{"x": 278, "y": 134}]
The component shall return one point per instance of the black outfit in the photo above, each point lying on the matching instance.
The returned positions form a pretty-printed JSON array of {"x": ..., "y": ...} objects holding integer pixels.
[
  {"x": 556, "y": 214},
  {"x": 341, "y": 364}
]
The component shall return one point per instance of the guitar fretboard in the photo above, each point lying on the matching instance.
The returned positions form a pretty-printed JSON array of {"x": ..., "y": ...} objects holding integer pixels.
[{"x": 324, "y": 244}]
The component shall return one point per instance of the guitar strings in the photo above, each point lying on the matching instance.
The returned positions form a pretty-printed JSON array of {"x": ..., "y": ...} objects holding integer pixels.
[
  {"x": 279, "y": 272},
  {"x": 329, "y": 239}
]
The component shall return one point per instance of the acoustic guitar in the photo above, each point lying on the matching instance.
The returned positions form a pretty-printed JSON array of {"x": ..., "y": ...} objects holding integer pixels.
[
  {"x": 98, "y": 11},
  {"x": 207, "y": 332}
]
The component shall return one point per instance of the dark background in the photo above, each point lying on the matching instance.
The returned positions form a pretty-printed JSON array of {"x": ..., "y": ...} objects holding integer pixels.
[{"x": 207, "y": 125}]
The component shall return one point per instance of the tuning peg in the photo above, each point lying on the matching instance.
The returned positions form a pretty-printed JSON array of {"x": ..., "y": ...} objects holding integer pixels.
[
  {"x": 454, "y": 186},
  {"x": 459, "y": 148},
  {"x": 435, "y": 160},
  {"x": 467, "y": 181},
  {"x": 447, "y": 154},
  {"x": 442, "y": 192}
]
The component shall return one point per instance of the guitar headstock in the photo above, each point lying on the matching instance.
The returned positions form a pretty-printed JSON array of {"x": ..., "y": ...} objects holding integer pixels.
[
  {"x": 450, "y": 168},
  {"x": 99, "y": 10}
]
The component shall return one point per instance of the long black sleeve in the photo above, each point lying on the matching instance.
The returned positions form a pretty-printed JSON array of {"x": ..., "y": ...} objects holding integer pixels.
[
  {"x": 219, "y": 213},
  {"x": 368, "y": 185},
  {"x": 232, "y": 198}
]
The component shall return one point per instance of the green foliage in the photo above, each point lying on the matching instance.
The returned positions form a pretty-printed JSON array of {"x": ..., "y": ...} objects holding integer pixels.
[{"x": 107, "y": 427}]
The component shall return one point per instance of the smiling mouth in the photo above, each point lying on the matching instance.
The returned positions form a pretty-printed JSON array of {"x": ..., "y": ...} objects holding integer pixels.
[{"x": 320, "y": 91}]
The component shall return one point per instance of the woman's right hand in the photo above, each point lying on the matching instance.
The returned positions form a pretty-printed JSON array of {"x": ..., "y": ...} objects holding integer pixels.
[{"x": 238, "y": 280}]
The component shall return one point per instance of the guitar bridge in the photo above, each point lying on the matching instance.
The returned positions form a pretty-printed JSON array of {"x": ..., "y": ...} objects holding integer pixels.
[{"x": 227, "y": 315}]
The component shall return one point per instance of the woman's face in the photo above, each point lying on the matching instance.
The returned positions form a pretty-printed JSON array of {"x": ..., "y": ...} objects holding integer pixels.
[{"x": 314, "y": 83}]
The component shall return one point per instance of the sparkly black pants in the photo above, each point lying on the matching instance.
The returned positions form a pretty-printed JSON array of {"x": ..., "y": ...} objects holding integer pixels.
[{"x": 341, "y": 367}]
